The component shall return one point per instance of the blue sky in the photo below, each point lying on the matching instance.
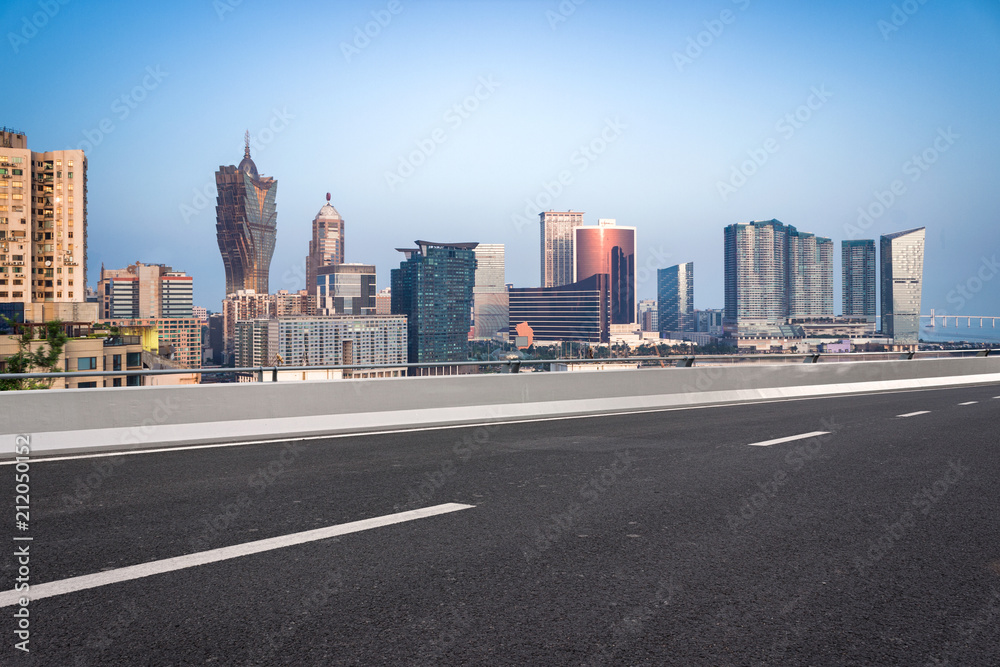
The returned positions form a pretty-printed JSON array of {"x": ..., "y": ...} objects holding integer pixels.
[{"x": 694, "y": 116}]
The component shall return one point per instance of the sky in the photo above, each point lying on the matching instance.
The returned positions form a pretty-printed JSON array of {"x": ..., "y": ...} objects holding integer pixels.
[{"x": 459, "y": 121}]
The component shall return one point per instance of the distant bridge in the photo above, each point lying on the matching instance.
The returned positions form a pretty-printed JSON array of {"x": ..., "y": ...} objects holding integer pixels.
[{"x": 968, "y": 319}]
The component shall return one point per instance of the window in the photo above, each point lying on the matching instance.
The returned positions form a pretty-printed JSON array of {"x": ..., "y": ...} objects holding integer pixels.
[
  {"x": 86, "y": 364},
  {"x": 133, "y": 359},
  {"x": 116, "y": 362},
  {"x": 69, "y": 174},
  {"x": 117, "y": 382},
  {"x": 86, "y": 385},
  {"x": 134, "y": 381},
  {"x": 69, "y": 164}
]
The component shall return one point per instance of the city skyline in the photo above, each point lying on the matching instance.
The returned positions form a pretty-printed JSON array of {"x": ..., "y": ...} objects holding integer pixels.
[{"x": 842, "y": 138}]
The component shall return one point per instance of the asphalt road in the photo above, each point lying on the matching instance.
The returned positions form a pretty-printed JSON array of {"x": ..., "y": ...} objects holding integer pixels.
[{"x": 662, "y": 538}]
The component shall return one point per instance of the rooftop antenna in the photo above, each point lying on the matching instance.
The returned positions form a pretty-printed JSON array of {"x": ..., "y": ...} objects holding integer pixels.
[
  {"x": 328, "y": 197},
  {"x": 246, "y": 138}
]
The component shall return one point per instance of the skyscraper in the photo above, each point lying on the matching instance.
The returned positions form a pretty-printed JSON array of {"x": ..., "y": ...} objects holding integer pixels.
[
  {"x": 557, "y": 246},
  {"x": 327, "y": 244},
  {"x": 608, "y": 248},
  {"x": 756, "y": 276},
  {"x": 675, "y": 298},
  {"x": 810, "y": 275},
  {"x": 902, "y": 273},
  {"x": 489, "y": 294},
  {"x": 858, "y": 278},
  {"x": 433, "y": 288},
  {"x": 246, "y": 224},
  {"x": 43, "y": 226}
]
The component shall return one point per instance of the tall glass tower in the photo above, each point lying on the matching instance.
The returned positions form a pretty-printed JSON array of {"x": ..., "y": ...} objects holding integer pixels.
[
  {"x": 902, "y": 274},
  {"x": 557, "y": 246},
  {"x": 858, "y": 278},
  {"x": 756, "y": 276},
  {"x": 675, "y": 298},
  {"x": 608, "y": 248},
  {"x": 433, "y": 288},
  {"x": 246, "y": 224}
]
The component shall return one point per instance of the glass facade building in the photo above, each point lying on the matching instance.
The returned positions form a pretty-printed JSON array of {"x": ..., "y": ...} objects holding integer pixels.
[
  {"x": 902, "y": 274},
  {"x": 578, "y": 312},
  {"x": 675, "y": 298},
  {"x": 557, "y": 246},
  {"x": 756, "y": 267},
  {"x": 246, "y": 224},
  {"x": 489, "y": 294},
  {"x": 345, "y": 288},
  {"x": 433, "y": 288},
  {"x": 858, "y": 278},
  {"x": 609, "y": 249}
]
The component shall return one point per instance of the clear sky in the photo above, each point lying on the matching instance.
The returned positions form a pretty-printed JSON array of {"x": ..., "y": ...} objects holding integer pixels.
[{"x": 693, "y": 116}]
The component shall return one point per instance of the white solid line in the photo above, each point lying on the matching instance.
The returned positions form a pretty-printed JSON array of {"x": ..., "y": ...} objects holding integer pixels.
[
  {"x": 768, "y": 443},
  {"x": 969, "y": 403},
  {"x": 73, "y": 584},
  {"x": 914, "y": 414}
]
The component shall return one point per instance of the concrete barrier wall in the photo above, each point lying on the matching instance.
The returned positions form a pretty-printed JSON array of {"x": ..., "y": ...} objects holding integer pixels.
[{"x": 60, "y": 421}]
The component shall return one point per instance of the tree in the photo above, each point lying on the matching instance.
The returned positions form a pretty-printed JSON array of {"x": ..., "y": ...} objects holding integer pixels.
[{"x": 43, "y": 358}]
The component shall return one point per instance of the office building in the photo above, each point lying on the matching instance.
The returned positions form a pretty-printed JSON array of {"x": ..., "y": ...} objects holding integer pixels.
[
  {"x": 145, "y": 291},
  {"x": 557, "y": 246},
  {"x": 323, "y": 341},
  {"x": 902, "y": 274},
  {"x": 580, "y": 311},
  {"x": 345, "y": 289},
  {"x": 810, "y": 275},
  {"x": 649, "y": 316},
  {"x": 709, "y": 321},
  {"x": 858, "y": 278},
  {"x": 489, "y": 294},
  {"x": 326, "y": 247},
  {"x": 43, "y": 224},
  {"x": 675, "y": 298},
  {"x": 246, "y": 224},
  {"x": 433, "y": 288},
  {"x": 608, "y": 249}
]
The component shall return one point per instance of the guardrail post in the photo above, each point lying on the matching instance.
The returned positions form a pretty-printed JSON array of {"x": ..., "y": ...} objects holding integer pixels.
[
  {"x": 983, "y": 353},
  {"x": 812, "y": 359},
  {"x": 515, "y": 366},
  {"x": 260, "y": 374},
  {"x": 274, "y": 374}
]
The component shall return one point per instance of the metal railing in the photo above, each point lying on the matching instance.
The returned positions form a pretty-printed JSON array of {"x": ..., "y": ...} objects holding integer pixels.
[{"x": 258, "y": 373}]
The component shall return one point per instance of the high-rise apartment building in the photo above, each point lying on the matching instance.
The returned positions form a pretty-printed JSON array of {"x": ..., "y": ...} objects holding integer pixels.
[
  {"x": 145, "y": 291},
  {"x": 383, "y": 301},
  {"x": 246, "y": 224},
  {"x": 43, "y": 224},
  {"x": 243, "y": 305},
  {"x": 433, "y": 288},
  {"x": 557, "y": 246},
  {"x": 345, "y": 289},
  {"x": 326, "y": 247},
  {"x": 902, "y": 275},
  {"x": 675, "y": 298},
  {"x": 756, "y": 268},
  {"x": 322, "y": 341},
  {"x": 649, "y": 316},
  {"x": 858, "y": 278},
  {"x": 810, "y": 275},
  {"x": 609, "y": 249},
  {"x": 489, "y": 294}
]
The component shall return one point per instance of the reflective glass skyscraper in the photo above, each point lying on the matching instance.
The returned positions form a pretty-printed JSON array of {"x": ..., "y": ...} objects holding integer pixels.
[
  {"x": 489, "y": 295},
  {"x": 557, "y": 246},
  {"x": 608, "y": 248},
  {"x": 858, "y": 278},
  {"x": 675, "y": 298},
  {"x": 433, "y": 288},
  {"x": 246, "y": 224},
  {"x": 902, "y": 274}
]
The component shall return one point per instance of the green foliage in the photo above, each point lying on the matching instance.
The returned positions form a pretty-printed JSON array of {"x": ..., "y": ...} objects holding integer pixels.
[{"x": 42, "y": 359}]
